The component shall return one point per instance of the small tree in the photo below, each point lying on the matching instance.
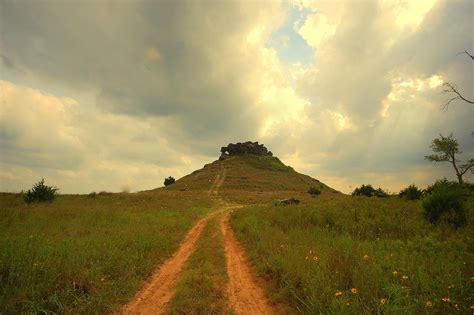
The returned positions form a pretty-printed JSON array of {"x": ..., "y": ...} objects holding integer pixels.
[
  {"x": 40, "y": 193},
  {"x": 169, "y": 180},
  {"x": 445, "y": 202},
  {"x": 314, "y": 191},
  {"x": 449, "y": 148},
  {"x": 411, "y": 193}
]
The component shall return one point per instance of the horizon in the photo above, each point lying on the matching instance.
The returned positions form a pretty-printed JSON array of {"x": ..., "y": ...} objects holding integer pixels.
[{"x": 118, "y": 96}]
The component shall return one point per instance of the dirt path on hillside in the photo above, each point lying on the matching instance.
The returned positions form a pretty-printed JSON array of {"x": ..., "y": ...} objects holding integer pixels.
[
  {"x": 155, "y": 295},
  {"x": 220, "y": 178},
  {"x": 245, "y": 296}
]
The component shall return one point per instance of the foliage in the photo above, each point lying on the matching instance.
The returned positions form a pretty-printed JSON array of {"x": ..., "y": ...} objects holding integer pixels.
[
  {"x": 82, "y": 255},
  {"x": 369, "y": 191},
  {"x": 315, "y": 255},
  {"x": 411, "y": 192},
  {"x": 448, "y": 148},
  {"x": 169, "y": 180},
  {"x": 40, "y": 193},
  {"x": 446, "y": 202},
  {"x": 313, "y": 190}
]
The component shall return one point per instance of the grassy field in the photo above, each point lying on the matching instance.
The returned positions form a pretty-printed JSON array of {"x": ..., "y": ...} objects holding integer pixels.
[
  {"x": 84, "y": 254},
  {"x": 353, "y": 255},
  {"x": 201, "y": 288}
]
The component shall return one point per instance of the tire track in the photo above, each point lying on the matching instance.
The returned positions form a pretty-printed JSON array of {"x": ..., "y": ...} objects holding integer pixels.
[{"x": 245, "y": 296}]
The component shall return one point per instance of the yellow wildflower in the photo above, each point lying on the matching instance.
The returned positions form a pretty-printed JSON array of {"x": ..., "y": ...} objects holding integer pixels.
[
  {"x": 429, "y": 304},
  {"x": 365, "y": 257},
  {"x": 354, "y": 290},
  {"x": 338, "y": 293},
  {"x": 446, "y": 299},
  {"x": 383, "y": 301},
  {"x": 395, "y": 273},
  {"x": 405, "y": 277},
  {"x": 315, "y": 258}
]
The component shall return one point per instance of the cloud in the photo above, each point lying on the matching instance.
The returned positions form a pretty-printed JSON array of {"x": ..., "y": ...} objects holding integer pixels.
[{"x": 129, "y": 92}]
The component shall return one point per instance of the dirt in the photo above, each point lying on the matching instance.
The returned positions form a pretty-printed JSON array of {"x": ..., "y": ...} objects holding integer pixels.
[
  {"x": 245, "y": 296},
  {"x": 156, "y": 294}
]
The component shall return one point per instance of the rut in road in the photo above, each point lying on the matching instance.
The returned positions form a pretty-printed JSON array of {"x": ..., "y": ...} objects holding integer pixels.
[
  {"x": 155, "y": 295},
  {"x": 245, "y": 296}
]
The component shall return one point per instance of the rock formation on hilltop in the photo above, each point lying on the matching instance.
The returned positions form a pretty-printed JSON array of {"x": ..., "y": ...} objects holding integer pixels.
[{"x": 241, "y": 148}]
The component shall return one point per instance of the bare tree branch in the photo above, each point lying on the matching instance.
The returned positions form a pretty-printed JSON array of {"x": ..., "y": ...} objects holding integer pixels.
[
  {"x": 453, "y": 89},
  {"x": 467, "y": 53}
]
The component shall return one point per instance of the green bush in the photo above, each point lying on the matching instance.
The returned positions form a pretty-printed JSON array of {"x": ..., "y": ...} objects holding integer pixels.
[
  {"x": 314, "y": 191},
  {"x": 169, "y": 180},
  {"x": 411, "y": 193},
  {"x": 364, "y": 190},
  {"x": 369, "y": 191},
  {"x": 40, "y": 193},
  {"x": 445, "y": 201}
]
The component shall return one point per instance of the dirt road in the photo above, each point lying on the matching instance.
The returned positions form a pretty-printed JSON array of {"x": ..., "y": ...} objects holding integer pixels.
[
  {"x": 245, "y": 296},
  {"x": 155, "y": 295}
]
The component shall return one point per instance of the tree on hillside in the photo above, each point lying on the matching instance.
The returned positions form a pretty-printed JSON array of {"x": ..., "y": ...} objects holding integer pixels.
[
  {"x": 453, "y": 91},
  {"x": 448, "y": 148}
]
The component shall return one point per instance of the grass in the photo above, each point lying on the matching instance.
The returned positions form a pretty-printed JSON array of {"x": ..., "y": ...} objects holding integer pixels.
[
  {"x": 84, "y": 254},
  {"x": 314, "y": 255},
  {"x": 201, "y": 289}
]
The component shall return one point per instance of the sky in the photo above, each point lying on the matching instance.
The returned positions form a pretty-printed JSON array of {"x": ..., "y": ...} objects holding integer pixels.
[{"x": 117, "y": 95}]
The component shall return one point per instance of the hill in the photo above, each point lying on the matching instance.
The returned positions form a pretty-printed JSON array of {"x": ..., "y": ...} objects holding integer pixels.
[{"x": 248, "y": 176}]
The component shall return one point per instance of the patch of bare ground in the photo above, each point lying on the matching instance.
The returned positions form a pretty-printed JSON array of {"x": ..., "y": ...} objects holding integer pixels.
[
  {"x": 245, "y": 295},
  {"x": 155, "y": 295}
]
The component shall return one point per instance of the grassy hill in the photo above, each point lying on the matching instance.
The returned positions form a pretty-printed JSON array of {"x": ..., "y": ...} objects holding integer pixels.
[{"x": 251, "y": 179}]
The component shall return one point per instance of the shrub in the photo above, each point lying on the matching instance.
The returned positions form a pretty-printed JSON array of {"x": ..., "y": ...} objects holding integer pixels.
[
  {"x": 169, "y": 180},
  {"x": 445, "y": 201},
  {"x": 364, "y": 190},
  {"x": 314, "y": 191},
  {"x": 411, "y": 193},
  {"x": 369, "y": 191},
  {"x": 40, "y": 193},
  {"x": 380, "y": 193}
]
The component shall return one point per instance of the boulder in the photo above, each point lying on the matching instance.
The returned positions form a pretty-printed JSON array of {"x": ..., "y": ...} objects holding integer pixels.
[{"x": 286, "y": 202}]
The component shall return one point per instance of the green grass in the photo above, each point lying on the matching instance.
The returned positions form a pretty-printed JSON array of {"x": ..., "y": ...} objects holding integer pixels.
[
  {"x": 87, "y": 255},
  {"x": 310, "y": 252},
  {"x": 202, "y": 287}
]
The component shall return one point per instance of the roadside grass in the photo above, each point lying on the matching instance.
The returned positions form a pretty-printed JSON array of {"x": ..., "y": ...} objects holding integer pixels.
[
  {"x": 201, "y": 289},
  {"x": 358, "y": 255},
  {"x": 87, "y": 254}
]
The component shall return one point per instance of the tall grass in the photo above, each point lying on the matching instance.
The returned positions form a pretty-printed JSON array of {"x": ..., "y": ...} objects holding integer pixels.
[
  {"x": 354, "y": 255},
  {"x": 85, "y": 255}
]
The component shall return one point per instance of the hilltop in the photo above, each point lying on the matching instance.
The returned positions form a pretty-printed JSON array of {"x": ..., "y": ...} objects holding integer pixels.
[{"x": 249, "y": 168}]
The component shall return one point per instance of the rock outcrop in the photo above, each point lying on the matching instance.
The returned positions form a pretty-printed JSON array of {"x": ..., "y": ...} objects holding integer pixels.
[{"x": 241, "y": 148}]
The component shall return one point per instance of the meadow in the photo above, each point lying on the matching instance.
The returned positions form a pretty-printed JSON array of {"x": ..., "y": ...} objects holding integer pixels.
[
  {"x": 87, "y": 254},
  {"x": 338, "y": 254}
]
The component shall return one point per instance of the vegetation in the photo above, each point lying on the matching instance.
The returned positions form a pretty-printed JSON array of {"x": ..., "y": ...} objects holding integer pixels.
[
  {"x": 411, "y": 192},
  {"x": 446, "y": 202},
  {"x": 200, "y": 290},
  {"x": 448, "y": 148},
  {"x": 369, "y": 191},
  {"x": 314, "y": 191},
  {"x": 87, "y": 255},
  {"x": 169, "y": 180},
  {"x": 40, "y": 193},
  {"x": 342, "y": 255}
]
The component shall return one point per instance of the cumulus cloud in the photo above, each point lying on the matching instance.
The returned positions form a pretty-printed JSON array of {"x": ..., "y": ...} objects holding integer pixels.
[{"x": 120, "y": 94}]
